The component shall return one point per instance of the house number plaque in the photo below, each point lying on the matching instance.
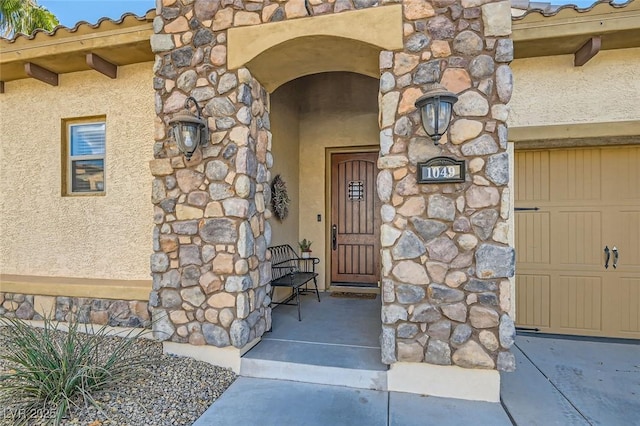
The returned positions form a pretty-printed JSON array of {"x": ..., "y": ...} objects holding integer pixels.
[{"x": 441, "y": 169}]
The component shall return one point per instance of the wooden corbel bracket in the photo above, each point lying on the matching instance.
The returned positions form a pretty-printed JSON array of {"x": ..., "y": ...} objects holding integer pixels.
[
  {"x": 587, "y": 51},
  {"x": 102, "y": 65},
  {"x": 41, "y": 74}
]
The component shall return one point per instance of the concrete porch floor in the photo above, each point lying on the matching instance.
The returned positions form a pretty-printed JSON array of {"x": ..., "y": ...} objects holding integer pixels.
[
  {"x": 326, "y": 369},
  {"x": 336, "y": 343}
]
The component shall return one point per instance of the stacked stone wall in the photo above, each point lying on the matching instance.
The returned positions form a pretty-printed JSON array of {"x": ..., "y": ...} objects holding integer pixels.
[
  {"x": 210, "y": 263},
  {"x": 446, "y": 256},
  {"x": 115, "y": 313}
]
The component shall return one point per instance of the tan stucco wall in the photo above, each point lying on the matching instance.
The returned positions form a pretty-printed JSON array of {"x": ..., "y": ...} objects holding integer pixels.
[
  {"x": 309, "y": 116},
  {"x": 43, "y": 233},
  {"x": 285, "y": 123},
  {"x": 550, "y": 90},
  {"x": 336, "y": 110}
]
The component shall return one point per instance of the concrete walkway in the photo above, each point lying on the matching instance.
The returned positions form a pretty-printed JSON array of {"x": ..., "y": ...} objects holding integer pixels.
[
  {"x": 559, "y": 381},
  {"x": 267, "y": 402}
]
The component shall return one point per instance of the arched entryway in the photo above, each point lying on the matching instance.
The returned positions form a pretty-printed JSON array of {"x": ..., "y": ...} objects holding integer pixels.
[
  {"x": 323, "y": 79},
  {"x": 436, "y": 253},
  {"x": 316, "y": 119}
]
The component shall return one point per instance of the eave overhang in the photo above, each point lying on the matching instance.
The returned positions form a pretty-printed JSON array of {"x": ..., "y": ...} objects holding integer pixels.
[
  {"x": 65, "y": 50},
  {"x": 566, "y": 31},
  {"x": 126, "y": 41}
]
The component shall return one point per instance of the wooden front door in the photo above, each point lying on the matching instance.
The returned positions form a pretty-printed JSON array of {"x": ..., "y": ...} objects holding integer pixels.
[
  {"x": 589, "y": 202},
  {"x": 355, "y": 219}
]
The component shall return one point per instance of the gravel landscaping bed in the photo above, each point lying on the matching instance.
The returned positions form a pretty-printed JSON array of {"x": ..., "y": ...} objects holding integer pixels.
[{"x": 169, "y": 390}]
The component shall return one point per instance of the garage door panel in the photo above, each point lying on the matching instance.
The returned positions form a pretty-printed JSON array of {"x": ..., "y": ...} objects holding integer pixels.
[
  {"x": 576, "y": 175},
  {"x": 628, "y": 240},
  {"x": 629, "y": 304},
  {"x": 579, "y": 302},
  {"x": 532, "y": 232},
  {"x": 562, "y": 285},
  {"x": 579, "y": 237},
  {"x": 532, "y": 176},
  {"x": 533, "y": 297},
  {"x": 622, "y": 174}
]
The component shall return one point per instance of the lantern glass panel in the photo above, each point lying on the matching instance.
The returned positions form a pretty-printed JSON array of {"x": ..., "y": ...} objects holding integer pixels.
[
  {"x": 436, "y": 116},
  {"x": 187, "y": 136},
  {"x": 444, "y": 117},
  {"x": 190, "y": 135},
  {"x": 429, "y": 118}
]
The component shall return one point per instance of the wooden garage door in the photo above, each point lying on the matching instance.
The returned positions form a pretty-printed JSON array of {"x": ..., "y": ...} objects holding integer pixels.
[{"x": 588, "y": 200}]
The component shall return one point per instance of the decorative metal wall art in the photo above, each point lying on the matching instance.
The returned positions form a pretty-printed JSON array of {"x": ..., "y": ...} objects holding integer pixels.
[{"x": 280, "y": 199}]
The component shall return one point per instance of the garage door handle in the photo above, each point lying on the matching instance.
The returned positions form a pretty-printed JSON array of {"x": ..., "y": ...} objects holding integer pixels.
[
  {"x": 615, "y": 257},
  {"x": 607, "y": 254}
]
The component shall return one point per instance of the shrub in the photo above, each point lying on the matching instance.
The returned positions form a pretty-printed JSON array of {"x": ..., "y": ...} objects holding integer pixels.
[{"x": 51, "y": 371}]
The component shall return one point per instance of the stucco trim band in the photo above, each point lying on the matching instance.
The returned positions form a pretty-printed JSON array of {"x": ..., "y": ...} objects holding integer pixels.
[
  {"x": 76, "y": 287},
  {"x": 444, "y": 381},
  {"x": 350, "y": 41},
  {"x": 89, "y": 328},
  {"x": 573, "y": 131},
  {"x": 380, "y": 26}
]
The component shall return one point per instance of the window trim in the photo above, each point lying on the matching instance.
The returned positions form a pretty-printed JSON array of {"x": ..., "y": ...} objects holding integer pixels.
[{"x": 67, "y": 159}]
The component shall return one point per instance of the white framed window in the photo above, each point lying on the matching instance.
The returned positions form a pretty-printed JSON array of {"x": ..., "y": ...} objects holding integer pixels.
[{"x": 84, "y": 156}]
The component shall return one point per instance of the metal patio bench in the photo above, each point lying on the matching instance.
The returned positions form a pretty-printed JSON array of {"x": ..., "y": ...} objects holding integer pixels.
[{"x": 290, "y": 270}]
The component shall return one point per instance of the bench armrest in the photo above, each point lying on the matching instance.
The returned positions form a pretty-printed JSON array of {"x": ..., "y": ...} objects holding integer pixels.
[
  {"x": 308, "y": 264},
  {"x": 286, "y": 261}
]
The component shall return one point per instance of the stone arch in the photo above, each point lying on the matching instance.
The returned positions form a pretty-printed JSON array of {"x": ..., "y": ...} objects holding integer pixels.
[{"x": 280, "y": 52}]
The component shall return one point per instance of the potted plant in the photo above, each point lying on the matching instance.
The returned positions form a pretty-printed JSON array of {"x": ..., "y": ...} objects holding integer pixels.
[{"x": 305, "y": 248}]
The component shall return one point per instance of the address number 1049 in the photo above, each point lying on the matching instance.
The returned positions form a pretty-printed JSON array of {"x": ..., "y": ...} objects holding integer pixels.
[
  {"x": 439, "y": 172},
  {"x": 441, "y": 169}
]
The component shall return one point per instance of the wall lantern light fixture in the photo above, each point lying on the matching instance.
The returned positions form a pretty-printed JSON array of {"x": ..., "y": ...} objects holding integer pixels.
[
  {"x": 188, "y": 130},
  {"x": 435, "y": 107}
]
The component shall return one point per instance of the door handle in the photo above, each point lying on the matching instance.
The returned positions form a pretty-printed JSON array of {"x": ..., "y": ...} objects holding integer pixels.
[
  {"x": 615, "y": 257},
  {"x": 334, "y": 237},
  {"x": 607, "y": 254}
]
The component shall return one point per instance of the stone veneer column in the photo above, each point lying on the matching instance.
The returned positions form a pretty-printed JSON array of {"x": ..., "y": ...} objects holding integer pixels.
[
  {"x": 446, "y": 256},
  {"x": 210, "y": 267},
  {"x": 445, "y": 248}
]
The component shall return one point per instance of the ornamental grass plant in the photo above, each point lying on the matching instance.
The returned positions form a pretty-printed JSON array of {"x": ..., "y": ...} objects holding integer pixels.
[{"x": 51, "y": 370}]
